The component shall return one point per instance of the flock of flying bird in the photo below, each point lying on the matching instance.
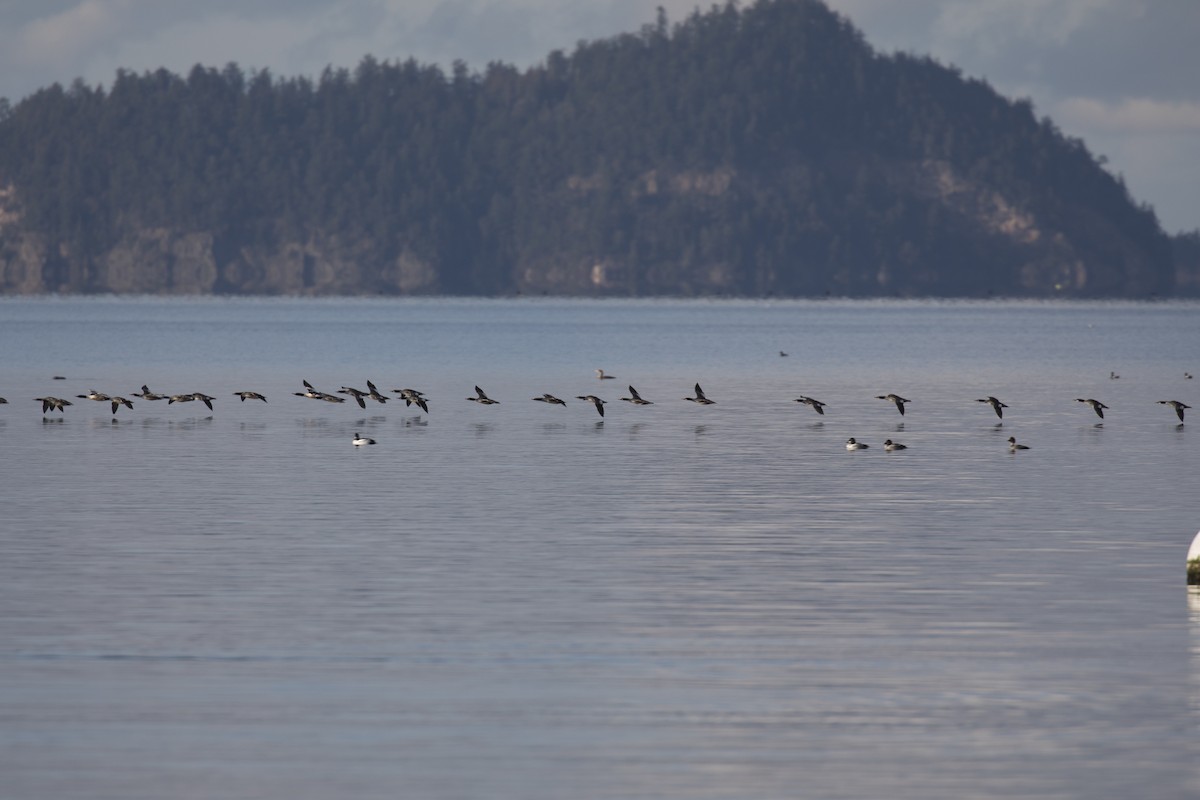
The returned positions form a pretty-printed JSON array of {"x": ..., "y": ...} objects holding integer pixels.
[{"x": 415, "y": 397}]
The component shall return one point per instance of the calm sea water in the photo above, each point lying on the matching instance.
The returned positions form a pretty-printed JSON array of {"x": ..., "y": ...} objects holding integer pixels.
[{"x": 527, "y": 601}]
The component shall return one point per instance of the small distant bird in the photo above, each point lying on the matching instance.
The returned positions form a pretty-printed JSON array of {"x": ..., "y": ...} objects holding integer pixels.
[
  {"x": 601, "y": 376},
  {"x": 996, "y": 405},
  {"x": 413, "y": 397},
  {"x": 854, "y": 444},
  {"x": 889, "y": 446},
  {"x": 357, "y": 394},
  {"x": 782, "y": 354},
  {"x": 374, "y": 394},
  {"x": 596, "y": 401},
  {"x": 894, "y": 398},
  {"x": 53, "y": 403},
  {"x": 146, "y": 394},
  {"x": 1112, "y": 376},
  {"x": 359, "y": 440},
  {"x": 636, "y": 398},
  {"x": 1175, "y": 404},
  {"x": 700, "y": 399},
  {"x": 117, "y": 402},
  {"x": 551, "y": 399},
  {"x": 1013, "y": 446},
  {"x": 482, "y": 398},
  {"x": 3, "y": 400},
  {"x": 1187, "y": 376},
  {"x": 817, "y": 405},
  {"x": 99, "y": 397},
  {"x": 203, "y": 398},
  {"x": 1096, "y": 405},
  {"x": 250, "y": 396}
]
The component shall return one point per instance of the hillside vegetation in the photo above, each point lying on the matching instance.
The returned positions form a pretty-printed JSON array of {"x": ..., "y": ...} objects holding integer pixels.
[{"x": 759, "y": 151}]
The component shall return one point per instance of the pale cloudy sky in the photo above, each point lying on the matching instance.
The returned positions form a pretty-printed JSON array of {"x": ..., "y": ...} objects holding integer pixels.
[{"x": 1120, "y": 74}]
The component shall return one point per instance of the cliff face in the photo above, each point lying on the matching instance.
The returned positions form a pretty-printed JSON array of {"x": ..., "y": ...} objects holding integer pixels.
[{"x": 163, "y": 261}]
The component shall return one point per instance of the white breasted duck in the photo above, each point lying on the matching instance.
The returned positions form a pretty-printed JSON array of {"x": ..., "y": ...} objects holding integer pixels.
[{"x": 854, "y": 444}]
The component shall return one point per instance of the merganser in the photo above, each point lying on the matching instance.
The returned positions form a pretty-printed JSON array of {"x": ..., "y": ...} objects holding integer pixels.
[
  {"x": 250, "y": 396},
  {"x": 817, "y": 405},
  {"x": 146, "y": 394},
  {"x": 636, "y": 398},
  {"x": 549, "y": 398},
  {"x": 412, "y": 396},
  {"x": 853, "y": 444},
  {"x": 374, "y": 394},
  {"x": 117, "y": 402},
  {"x": 596, "y": 401},
  {"x": 1096, "y": 405},
  {"x": 99, "y": 397},
  {"x": 206, "y": 399},
  {"x": 482, "y": 398},
  {"x": 1175, "y": 404},
  {"x": 700, "y": 399},
  {"x": 894, "y": 398},
  {"x": 996, "y": 405},
  {"x": 53, "y": 403}
]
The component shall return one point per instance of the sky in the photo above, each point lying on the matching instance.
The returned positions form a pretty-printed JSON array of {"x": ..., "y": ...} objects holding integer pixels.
[{"x": 1118, "y": 74}]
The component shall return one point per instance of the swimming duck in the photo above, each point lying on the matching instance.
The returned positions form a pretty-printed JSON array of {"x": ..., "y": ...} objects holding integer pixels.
[
  {"x": 700, "y": 399},
  {"x": 1096, "y": 405},
  {"x": 596, "y": 401},
  {"x": 889, "y": 446},
  {"x": 894, "y": 398},
  {"x": 482, "y": 398},
  {"x": 53, "y": 403},
  {"x": 854, "y": 444},
  {"x": 1112, "y": 376},
  {"x": 549, "y": 398},
  {"x": 996, "y": 405},
  {"x": 1175, "y": 404},
  {"x": 117, "y": 402},
  {"x": 1013, "y": 446},
  {"x": 817, "y": 405},
  {"x": 601, "y": 376},
  {"x": 3, "y": 400},
  {"x": 636, "y": 398},
  {"x": 360, "y": 440},
  {"x": 250, "y": 396}
]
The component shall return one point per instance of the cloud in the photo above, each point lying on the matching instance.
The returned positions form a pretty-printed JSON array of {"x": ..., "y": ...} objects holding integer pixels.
[
  {"x": 1138, "y": 115},
  {"x": 79, "y": 28}
]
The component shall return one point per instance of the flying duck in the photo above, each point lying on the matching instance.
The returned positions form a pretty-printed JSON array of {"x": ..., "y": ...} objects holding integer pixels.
[
  {"x": 549, "y": 398},
  {"x": 700, "y": 399},
  {"x": 1096, "y": 405},
  {"x": 636, "y": 398},
  {"x": 53, "y": 403},
  {"x": 374, "y": 394},
  {"x": 411, "y": 397},
  {"x": 1013, "y": 446},
  {"x": 117, "y": 402},
  {"x": 996, "y": 405},
  {"x": 146, "y": 394},
  {"x": 817, "y": 405},
  {"x": 99, "y": 397},
  {"x": 853, "y": 444},
  {"x": 359, "y": 440},
  {"x": 357, "y": 394},
  {"x": 894, "y": 398},
  {"x": 1175, "y": 404},
  {"x": 482, "y": 398},
  {"x": 889, "y": 446},
  {"x": 250, "y": 396},
  {"x": 181, "y": 398},
  {"x": 596, "y": 401}
]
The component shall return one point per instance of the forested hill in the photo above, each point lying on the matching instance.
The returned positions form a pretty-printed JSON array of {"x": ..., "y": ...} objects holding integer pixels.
[{"x": 758, "y": 151}]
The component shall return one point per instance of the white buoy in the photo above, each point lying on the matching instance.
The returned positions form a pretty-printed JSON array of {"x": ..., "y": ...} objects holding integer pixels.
[{"x": 1193, "y": 562}]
